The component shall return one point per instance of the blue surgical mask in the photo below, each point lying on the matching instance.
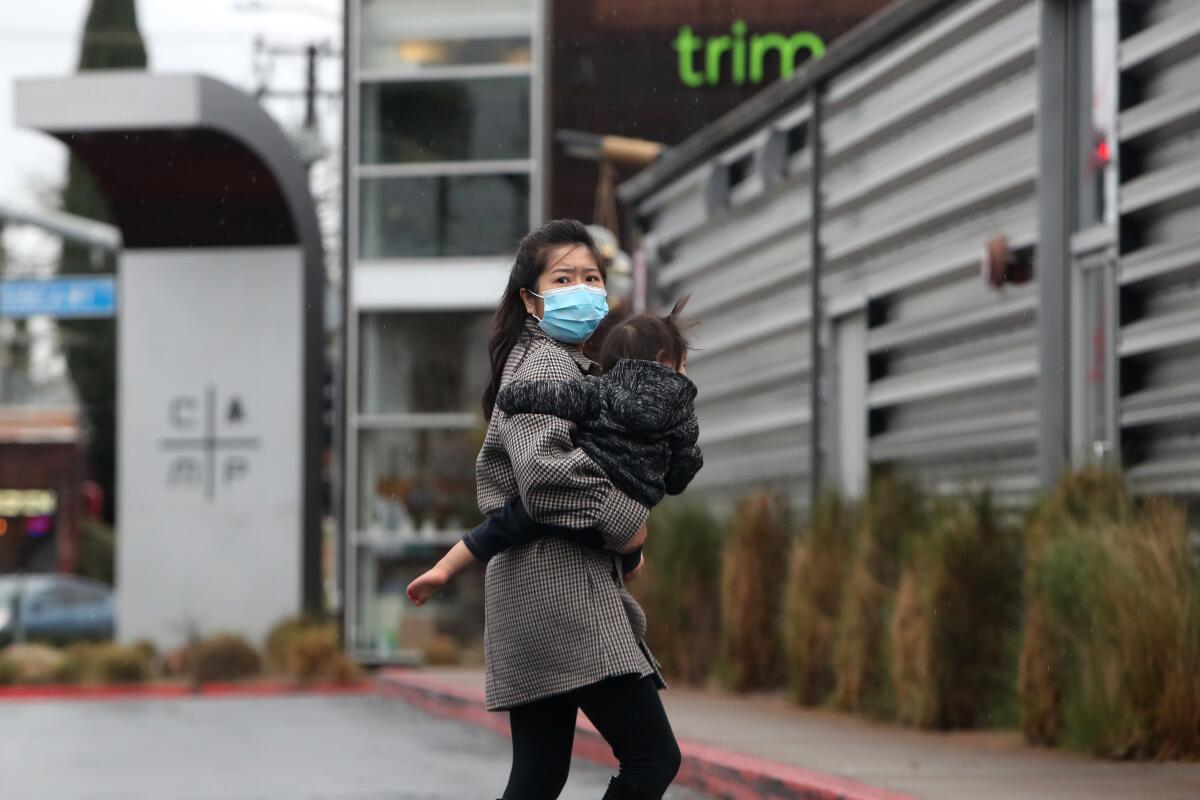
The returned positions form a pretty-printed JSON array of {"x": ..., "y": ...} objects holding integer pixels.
[{"x": 572, "y": 313}]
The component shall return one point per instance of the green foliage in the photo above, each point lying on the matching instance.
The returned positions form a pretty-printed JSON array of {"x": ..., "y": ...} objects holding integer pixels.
[
  {"x": 1122, "y": 598},
  {"x": 1047, "y": 662},
  {"x": 111, "y": 40},
  {"x": 675, "y": 586},
  {"x": 97, "y": 550},
  {"x": 956, "y": 617},
  {"x": 753, "y": 568}
]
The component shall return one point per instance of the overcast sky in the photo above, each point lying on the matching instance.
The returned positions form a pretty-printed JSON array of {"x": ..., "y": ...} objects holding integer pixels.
[{"x": 205, "y": 36}]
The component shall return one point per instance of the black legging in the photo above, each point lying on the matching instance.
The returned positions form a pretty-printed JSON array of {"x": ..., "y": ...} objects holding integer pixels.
[{"x": 629, "y": 715}]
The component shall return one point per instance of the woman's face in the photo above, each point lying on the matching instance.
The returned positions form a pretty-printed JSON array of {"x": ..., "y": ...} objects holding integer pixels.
[{"x": 566, "y": 265}]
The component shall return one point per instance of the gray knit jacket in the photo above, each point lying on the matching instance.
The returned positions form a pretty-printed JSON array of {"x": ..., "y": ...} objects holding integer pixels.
[{"x": 637, "y": 422}]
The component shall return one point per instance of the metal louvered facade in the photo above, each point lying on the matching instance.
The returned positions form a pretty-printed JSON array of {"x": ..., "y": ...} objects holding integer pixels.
[
  {"x": 1159, "y": 280},
  {"x": 891, "y": 163}
]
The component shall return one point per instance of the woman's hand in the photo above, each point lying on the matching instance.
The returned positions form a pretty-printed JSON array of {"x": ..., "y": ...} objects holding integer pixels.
[
  {"x": 638, "y": 540},
  {"x": 423, "y": 587}
]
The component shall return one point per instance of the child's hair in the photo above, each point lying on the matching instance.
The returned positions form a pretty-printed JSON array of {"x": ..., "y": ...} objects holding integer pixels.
[{"x": 648, "y": 337}]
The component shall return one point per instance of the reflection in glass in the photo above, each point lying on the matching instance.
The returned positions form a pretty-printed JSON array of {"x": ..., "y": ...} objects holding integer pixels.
[
  {"x": 416, "y": 483},
  {"x": 478, "y": 119},
  {"x": 424, "y": 362},
  {"x": 409, "y": 54},
  {"x": 460, "y": 215}
]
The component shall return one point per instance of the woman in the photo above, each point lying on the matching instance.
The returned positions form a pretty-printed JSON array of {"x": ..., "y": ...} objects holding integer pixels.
[{"x": 562, "y": 632}]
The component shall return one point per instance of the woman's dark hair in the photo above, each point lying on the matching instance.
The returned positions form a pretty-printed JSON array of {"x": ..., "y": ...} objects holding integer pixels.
[
  {"x": 649, "y": 337},
  {"x": 529, "y": 263}
]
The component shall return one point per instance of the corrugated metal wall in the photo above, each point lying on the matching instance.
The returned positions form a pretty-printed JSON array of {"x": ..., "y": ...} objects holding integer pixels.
[
  {"x": 929, "y": 148},
  {"x": 744, "y": 213},
  {"x": 930, "y": 152},
  {"x": 1159, "y": 155}
]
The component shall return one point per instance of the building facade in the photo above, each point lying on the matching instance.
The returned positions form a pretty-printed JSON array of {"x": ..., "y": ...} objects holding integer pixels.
[{"x": 452, "y": 113}]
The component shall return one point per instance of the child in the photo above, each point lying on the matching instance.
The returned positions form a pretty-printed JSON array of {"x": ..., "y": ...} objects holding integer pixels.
[{"x": 637, "y": 422}]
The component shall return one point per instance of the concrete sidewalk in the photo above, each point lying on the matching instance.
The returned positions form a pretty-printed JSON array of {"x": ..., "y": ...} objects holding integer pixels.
[{"x": 761, "y": 746}]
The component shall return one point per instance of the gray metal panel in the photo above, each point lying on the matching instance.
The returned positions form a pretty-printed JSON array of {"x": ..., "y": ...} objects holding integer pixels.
[
  {"x": 1159, "y": 274},
  {"x": 925, "y": 162}
]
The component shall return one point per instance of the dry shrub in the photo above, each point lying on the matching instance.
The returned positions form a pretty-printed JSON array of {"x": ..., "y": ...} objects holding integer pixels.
[
  {"x": 892, "y": 522},
  {"x": 955, "y": 618},
  {"x": 313, "y": 655},
  {"x": 282, "y": 634},
  {"x": 813, "y": 594},
  {"x": 683, "y": 564},
  {"x": 8, "y": 671},
  {"x": 32, "y": 663},
  {"x": 753, "y": 567},
  {"x": 114, "y": 663},
  {"x": 1124, "y": 594},
  {"x": 441, "y": 650},
  {"x": 224, "y": 657},
  {"x": 1086, "y": 498}
]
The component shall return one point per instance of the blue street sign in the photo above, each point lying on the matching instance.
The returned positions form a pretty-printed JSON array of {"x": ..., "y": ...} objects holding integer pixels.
[{"x": 93, "y": 296}]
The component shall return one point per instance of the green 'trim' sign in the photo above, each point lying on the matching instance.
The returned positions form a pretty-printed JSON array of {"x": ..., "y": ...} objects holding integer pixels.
[{"x": 747, "y": 54}]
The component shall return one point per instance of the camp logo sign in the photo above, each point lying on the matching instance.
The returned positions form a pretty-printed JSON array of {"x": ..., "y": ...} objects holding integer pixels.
[
  {"x": 208, "y": 445},
  {"x": 740, "y": 57}
]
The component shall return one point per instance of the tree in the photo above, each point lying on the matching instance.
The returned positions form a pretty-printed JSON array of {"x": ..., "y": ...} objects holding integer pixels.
[{"x": 111, "y": 40}]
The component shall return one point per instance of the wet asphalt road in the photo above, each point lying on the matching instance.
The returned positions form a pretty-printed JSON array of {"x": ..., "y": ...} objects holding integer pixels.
[{"x": 297, "y": 748}]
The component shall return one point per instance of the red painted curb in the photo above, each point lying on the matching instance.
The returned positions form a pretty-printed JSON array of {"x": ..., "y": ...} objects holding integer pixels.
[
  {"x": 174, "y": 691},
  {"x": 721, "y": 773}
]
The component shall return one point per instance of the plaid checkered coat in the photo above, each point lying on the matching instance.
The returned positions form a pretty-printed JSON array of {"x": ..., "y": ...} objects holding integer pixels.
[{"x": 557, "y": 614}]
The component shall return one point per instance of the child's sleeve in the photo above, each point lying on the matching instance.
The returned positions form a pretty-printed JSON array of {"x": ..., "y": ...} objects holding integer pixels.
[
  {"x": 512, "y": 526},
  {"x": 630, "y": 561},
  {"x": 576, "y": 401},
  {"x": 686, "y": 458}
]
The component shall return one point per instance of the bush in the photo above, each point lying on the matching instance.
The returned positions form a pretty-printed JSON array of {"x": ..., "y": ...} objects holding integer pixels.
[
  {"x": 1090, "y": 497},
  {"x": 812, "y": 599},
  {"x": 891, "y": 525},
  {"x": 97, "y": 550},
  {"x": 282, "y": 634},
  {"x": 224, "y": 657},
  {"x": 441, "y": 650},
  {"x": 114, "y": 663},
  {"x": 32, "y": 663},
  {"x": 314, "y": 655},
  {"x": 683, "y": 564},
  {"x": 8, "y": 671},
  {"x": 753, "y": 567},
  {"x": 1122, "y": 596},
  {"x": 953, "y": 627}
]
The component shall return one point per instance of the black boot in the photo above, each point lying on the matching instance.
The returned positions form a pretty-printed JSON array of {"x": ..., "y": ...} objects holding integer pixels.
[{"x": 620, "y": 789}]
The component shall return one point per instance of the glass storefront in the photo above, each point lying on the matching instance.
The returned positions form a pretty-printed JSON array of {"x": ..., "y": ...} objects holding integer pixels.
[
  {"x": 443, "y": 141},
  {"x": 442, "y": 215},
  {"x": 457, "y": 120}
]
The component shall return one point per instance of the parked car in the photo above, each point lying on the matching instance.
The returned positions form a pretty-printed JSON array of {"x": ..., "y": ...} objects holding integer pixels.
[{"x": 55, "y": 608}]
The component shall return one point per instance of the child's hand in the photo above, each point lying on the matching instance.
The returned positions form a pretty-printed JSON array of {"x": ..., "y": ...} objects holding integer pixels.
[{"x": 423, "y": 587}]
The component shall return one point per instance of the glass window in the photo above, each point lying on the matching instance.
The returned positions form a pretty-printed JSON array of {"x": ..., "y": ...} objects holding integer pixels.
[
  {"x": 459, "y": 215},
  {"x": 414, "y": 54},
  {"x": 415, "y": 483},
  {"x": 425, "y": 362},
  {"x": 478, "y": 119}
]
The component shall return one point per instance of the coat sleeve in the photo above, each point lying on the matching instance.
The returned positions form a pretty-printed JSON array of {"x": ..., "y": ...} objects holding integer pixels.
[
  {"x": 558, "y": 483},
  {"x": 511, "y": 526},
  {"x": 686, "y": 458},
  {"x": 574, "y": 400}
]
